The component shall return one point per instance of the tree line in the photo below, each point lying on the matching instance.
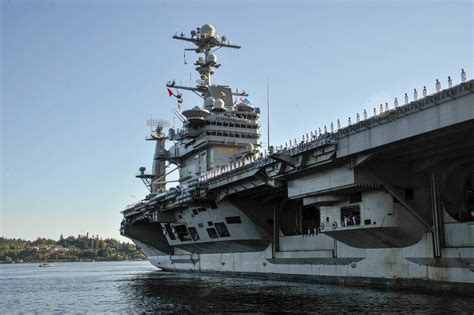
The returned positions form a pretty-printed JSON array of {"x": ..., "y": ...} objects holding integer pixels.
[{"x": 81, "y": 248}]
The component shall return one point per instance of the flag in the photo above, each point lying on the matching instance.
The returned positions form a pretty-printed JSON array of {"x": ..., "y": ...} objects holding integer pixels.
[
  {"x": 170, "y": 92},
  {"x": 246, "y": 101}
]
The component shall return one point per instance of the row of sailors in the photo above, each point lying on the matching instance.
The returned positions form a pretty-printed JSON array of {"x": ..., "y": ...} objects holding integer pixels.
[
  {"x": 319, "y": 133},
  {"x": 233, "y": 166},
  {"x": 437, "y": 86},
  {"x": 311, "y": 232}
]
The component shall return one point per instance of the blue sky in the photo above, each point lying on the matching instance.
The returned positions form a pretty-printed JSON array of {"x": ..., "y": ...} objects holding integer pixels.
[{"x": 79, "y": 79}]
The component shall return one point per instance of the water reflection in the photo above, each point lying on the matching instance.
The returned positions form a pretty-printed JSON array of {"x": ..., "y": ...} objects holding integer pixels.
[{"x": 164, "y": 291}]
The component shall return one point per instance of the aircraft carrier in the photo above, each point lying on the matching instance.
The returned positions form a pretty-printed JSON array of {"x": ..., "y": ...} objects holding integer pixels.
[{"x": 386, "y": 199}]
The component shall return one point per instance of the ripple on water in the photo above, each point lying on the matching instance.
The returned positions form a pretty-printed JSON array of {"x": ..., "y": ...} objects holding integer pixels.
[{"x": 139, "y": 287}]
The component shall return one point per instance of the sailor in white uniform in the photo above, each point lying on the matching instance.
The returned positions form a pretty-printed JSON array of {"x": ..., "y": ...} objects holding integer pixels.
[
  {"x": 463, "y": 75},
  {"x": 438, "y": 85}
]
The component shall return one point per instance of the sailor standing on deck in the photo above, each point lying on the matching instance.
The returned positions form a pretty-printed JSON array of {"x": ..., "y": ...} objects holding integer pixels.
[
  {"x": 438, "y": 85},
  {"x": 425, "y": 92},
  {"x": 406, "y": 98},
  {"x": 463, "y": 75},
  {"x": 450, "y": 82},
  {"x": 415, "y": 94}
]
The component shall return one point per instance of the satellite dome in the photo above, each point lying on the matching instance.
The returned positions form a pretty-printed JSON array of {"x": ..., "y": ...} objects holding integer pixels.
[
  {"x": 209, "y": 102},
  {"x": 218, "y": 105},
  {"x": 207, "y": 30},
  {"x": 211, "y": 58}
]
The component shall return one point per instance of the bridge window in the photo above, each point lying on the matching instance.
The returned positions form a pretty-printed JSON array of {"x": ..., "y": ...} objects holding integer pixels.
[
  {"x": 222, "y": 229},
  {"x": 350, "y": 216}
]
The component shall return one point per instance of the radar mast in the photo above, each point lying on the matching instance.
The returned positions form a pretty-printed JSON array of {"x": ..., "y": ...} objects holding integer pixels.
[{"x": 206, "y": 41}]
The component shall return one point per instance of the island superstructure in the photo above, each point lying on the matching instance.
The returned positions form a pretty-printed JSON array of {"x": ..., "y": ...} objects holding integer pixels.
[{"x": 387, "y": 199}]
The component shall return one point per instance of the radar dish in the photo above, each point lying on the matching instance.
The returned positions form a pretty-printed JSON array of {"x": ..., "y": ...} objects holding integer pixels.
[{"x": 157, "y": 123}]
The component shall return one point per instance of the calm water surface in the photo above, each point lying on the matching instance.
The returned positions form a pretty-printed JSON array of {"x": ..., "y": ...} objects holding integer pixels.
[{"x": 138, "y": 287}]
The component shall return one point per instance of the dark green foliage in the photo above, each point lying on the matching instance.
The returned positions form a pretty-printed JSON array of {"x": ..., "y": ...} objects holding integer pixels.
[{"x": 82, "y": 247}]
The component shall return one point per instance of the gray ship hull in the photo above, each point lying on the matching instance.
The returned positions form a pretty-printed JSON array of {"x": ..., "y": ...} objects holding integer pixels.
[{"x": 408, "y": 268}]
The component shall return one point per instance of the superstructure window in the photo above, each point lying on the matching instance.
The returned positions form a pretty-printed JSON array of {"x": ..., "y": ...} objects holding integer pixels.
[
  {"x": 182, "y": 232},
  {"x": 222, "y": 229},
  {"x": 212, "y": 233},
  {"x": 194, "y": 233},
  {"x": 233, "y": 220}
]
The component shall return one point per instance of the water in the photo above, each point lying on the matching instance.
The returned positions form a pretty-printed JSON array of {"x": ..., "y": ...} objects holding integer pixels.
[{"x": 138, "y": 287}]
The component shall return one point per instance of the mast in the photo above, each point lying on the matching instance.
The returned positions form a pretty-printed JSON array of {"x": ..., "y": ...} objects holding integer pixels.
[
  {"x": 206, "y": 41},
  {"x": 156, "y": 181},
  {"x": 268, "y": 114}
]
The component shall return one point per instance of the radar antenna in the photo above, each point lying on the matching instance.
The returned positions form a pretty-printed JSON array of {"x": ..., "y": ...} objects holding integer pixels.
[
  {"x": 207, "y": 41},
  {"x": 157, "y": 124}
]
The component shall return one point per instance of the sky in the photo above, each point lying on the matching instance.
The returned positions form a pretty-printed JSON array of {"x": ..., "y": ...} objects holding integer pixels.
[{"x": 79, "y": 79}]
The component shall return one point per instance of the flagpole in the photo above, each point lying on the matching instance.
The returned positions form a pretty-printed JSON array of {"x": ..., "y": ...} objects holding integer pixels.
[{"x": 268, "y": 114}]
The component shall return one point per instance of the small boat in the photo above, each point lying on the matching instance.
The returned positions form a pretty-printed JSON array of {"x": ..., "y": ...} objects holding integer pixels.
[{"x": 45, "y": 265}]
